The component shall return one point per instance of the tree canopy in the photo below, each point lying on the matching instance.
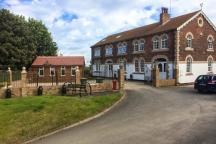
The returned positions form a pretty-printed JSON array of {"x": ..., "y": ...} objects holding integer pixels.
[{"x": 22, "y": 40}]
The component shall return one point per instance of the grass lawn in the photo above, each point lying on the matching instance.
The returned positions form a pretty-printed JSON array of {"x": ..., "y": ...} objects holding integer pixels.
[{"x": 22, "y": 119}]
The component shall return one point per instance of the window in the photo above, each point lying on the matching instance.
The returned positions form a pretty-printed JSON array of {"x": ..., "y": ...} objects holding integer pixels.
[
  {"x": 97, "y": 52},
  {"x": 164, "y": 41},
  {"x": 41, "y": 72},
  {"x": 122, "y": 48},
  {"x": 63, "y": 71},
  {"x": 210, "y": 64},
  {"x": 136, "y": 66},
  {"x": 52, "y": 71},
  {"x": 142, "y": 45},
  {"x": 97, "y": 66},
  {"x": 156, "y": 42},
  {"x": 109, "y": 51},
  {"x": 142, "y": 66},
  {"x": 189, "y": 40},
  {"x": 210, "y": 43},
  {"x": 136, "y": 46},
  {"x": 73, "y": 71},
  {"x": 189, "y": 65}
]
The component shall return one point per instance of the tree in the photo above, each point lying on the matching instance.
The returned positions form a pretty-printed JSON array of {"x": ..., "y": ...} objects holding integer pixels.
[
  {"x": 43, "y": 40},
  {"x": 21, "y": 41}
]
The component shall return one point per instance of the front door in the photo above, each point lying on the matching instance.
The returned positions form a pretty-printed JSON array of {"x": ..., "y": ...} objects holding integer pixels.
[{"x": 162, "y": 66}]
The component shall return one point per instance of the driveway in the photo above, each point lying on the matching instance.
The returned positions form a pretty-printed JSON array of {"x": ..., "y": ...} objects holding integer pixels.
[{"x": 174, "y": 115}]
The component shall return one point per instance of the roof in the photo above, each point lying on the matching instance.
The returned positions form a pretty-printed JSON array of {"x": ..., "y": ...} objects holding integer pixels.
[
  {"x": 59, "y": 60},
  {"x": 154, "y": 28}
]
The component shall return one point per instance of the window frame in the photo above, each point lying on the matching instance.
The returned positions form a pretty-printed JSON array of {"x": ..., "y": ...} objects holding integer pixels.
[
  {"x": 63, "y": 68},
  {"x": 189, "y": 42},
  {"x": 122, "y": 48},
  {"x": 40, "y": 69},
  {"x": 164, "y": 41},
  {"x": 73, "y": 70},
  {"x": 97, "y": 52},
  {"x": 189, "y": 62},
  {"x": 136, "y": 46},
  {"x": 210, "y": 43},
  {"x": 136, "y": 65},
  {"x": 142, "y": 66},
  {"x": 142, "y": 45},
  {"x": 156, "y": 43}
]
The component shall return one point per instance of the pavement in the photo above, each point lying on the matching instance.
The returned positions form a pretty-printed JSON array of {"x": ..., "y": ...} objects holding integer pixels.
[{"x": 173, "y": 115}]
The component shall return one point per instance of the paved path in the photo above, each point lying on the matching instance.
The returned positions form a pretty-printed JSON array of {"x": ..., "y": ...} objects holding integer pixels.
[{"x": 176, "y": 115}]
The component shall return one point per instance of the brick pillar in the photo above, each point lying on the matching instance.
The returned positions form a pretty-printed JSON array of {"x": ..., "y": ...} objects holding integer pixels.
[
  {"x": 177, "y": 47},
  {"x": 24, "y": 82},
  {"x": 155, "y": 76},
  {"x": 176, "y": 75},
  {"x": 78, "y": 76},
  {"x": 121, "y": 77},
  {"x": 9, "y": 81}
]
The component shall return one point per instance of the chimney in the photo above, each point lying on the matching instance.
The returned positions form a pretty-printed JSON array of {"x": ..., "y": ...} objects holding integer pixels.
[{"x": 164, "y": 16}]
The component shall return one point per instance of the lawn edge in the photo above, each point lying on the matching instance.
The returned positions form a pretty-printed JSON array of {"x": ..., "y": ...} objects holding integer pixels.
[{"x": 80, "y": 122}]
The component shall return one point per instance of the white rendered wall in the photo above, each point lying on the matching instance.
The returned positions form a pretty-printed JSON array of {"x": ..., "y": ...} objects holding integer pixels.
[{"x": 197, "y": 69}]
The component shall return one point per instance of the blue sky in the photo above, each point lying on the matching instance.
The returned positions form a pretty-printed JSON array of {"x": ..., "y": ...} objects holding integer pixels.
[{"x": 77, "y": 24}]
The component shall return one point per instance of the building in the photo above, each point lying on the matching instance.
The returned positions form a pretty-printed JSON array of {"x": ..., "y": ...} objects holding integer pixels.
[
  {"x": 60, "y": 68},
  {"x": 182, "y": 47}
]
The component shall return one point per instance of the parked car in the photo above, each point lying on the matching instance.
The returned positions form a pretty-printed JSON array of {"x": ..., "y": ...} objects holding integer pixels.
[{"x": 206, "y": 83}]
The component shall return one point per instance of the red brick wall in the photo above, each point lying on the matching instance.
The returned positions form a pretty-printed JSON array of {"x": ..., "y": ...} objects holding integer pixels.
[
  {"x": 199, "y": 42},
  {"x": 147, "y": 54},
  {"x": 32, "y": 74}
]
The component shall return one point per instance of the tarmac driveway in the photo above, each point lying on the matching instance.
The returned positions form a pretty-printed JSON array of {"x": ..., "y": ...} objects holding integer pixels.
[{"x": 174, "y": 115}]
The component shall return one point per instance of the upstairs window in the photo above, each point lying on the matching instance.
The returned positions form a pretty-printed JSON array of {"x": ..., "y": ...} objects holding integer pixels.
[
  {"x": 63, "y": 71},
  {"x": 136, "y": 46},
  {"x": 97, "y": 52},
  {"x": 210, "y": 64},
  {"x": 109, "y": 51},
  {"x": 122, "y": 48},
  {"x": 164, "y": 41},
  {"x": 156, "y": 44},
  {"x": 210, "y": 43},
  {"x": 189, "y": 64},
  {"x": 141, "y": 45},
  {"x": 189, "y": 40}
]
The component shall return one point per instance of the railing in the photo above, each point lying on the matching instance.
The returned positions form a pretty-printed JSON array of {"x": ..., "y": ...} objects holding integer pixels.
[
  {"x": 3, "y": 78},
  {"x": 16, "y": 79}
]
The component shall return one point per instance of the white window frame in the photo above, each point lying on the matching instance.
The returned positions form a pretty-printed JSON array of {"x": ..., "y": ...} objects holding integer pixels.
[
  {"x": 97, "y": 52},
  {"x": 142, "y": 65},
  {"x": 136, "y": 46},
  {"x": 156, "y": 42},
  {"x": 142, "y": 45},
  {"x": 210, "y": 43},
  {"x": 41, "y": 69},
  {"x": 109, "y": 51},
  {"x": 122, "y": 48},
  {"x": 210, "y": 64},
  {"x": 189, "y": 62},
  {"x": 52, "y": 69},
  {"x": 189, "y": 41},
  {"x": 73, "y": 69},
  {"x": 136, "y": 65},
  {"x": 164, "y": 41},
  {"x": 63, "y": 68}
]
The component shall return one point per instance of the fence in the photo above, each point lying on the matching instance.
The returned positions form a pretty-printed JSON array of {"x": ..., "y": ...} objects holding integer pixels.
[{"x": 3, "y": 78}]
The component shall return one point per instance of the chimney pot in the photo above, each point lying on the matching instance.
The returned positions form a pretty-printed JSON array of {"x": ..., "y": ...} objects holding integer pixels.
[{"x": 164, "y": 16}]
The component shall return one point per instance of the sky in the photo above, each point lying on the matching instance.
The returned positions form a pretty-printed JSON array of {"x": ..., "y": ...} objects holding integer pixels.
[{"x": 76, "y": 25}]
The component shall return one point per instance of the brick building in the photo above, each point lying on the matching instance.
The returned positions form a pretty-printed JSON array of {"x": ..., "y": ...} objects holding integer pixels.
[
  {"x": 182, "y": 47},
  {"x": 61, "y": 68}
]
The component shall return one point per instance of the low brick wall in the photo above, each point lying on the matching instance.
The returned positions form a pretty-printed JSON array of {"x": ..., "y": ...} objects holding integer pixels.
[
  {"x": 168, "y": 82},
  {"x": 52, "y": 90}
]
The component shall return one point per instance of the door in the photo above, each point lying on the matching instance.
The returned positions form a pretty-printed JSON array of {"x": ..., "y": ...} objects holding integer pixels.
[{"x": 162, "y": 66}]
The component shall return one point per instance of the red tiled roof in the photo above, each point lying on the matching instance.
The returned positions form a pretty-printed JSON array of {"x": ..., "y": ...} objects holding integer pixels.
[
  {"x": 59, "y": 60},
  {"x": 172, "y": 24}
]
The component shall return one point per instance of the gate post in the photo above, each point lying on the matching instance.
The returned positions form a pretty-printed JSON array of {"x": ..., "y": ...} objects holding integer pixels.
[
  {"x": 77, "y": 75},
  {"x": 24, "y": 82},
  {"x": 156, "y": 76},
  {"x": 9, "y": 79},
  {"x": 121, "y": 77}
]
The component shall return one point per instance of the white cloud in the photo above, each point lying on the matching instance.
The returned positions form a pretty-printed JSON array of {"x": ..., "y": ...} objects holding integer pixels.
[{"x": 98, "y": 18}]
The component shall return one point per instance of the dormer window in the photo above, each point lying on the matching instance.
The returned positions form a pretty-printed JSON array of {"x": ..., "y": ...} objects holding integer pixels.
[
  {"x": 122, "y": 48},
  {"x": 164, "y": 41},
  {"x": 97, "y": 52},
  {"x": 156, "y": 44}
]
